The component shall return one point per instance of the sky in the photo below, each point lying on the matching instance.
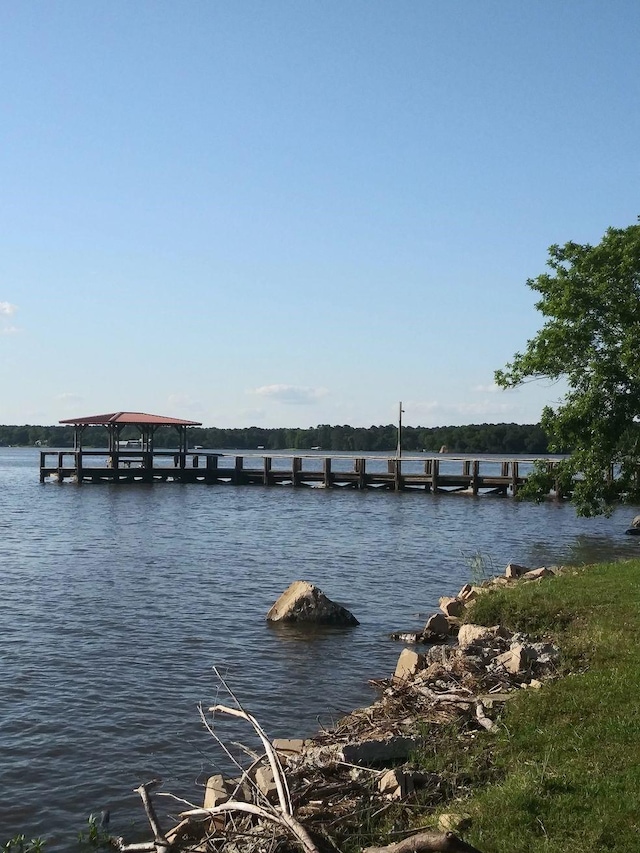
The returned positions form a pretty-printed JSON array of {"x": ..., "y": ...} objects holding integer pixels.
[{"x": 284, "y": 213}]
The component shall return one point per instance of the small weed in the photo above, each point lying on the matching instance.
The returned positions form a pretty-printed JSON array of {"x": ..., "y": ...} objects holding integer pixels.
[
  {"x": 481, "y": 566},
  {"x": 96, "y": 836},
  {"x": 20, "y": 844}
]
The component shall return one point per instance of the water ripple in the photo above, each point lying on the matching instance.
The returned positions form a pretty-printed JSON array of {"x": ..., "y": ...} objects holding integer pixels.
[{"x": 118, "y": 600}]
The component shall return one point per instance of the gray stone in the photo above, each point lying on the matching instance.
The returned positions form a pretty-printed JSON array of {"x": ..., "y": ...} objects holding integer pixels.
[
  {"x": 536, "y": 574},
  {"x": 218, "y": 791},
  {"x": 513, "y": 570},
  {"x": 471, "y": 635},
  {"x": 371, "y": 753},
  {"x": 437, "y": 624},
  {"x": 304, "y": 602},
  {"x": 451, "y": 606},
  {"x": 266, "y": 782},
  {"x": 517, "y": 659},
  {"x": 288, "y": 747},
  {"x": 396, "y": 784},
  {"x": 409, "y": 663}
]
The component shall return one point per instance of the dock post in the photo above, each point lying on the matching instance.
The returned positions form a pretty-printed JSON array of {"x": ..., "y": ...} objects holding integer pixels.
[
  {"x": 395, "y": 468},
  {"x": 435, "y": 472},
  {"x": 475, "y": 477},
  {"x": 266, "y": 471},
  {"x": 212, "y": 469},
  {"x": 237, "y": 471},
  {"x": 428, "y": 470},
  {"x": 296, "y": 470},
  {"x": 514, "y": 477},
  {"x": 328, "y": 476},
  {"x": 79, "y": 470},
  {"x": 360, "y": 466},
  {"x": 60, "y": 466}
]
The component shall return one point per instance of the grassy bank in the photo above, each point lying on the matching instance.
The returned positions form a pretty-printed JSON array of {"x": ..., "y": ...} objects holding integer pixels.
[{"x": 562, "y": 774}]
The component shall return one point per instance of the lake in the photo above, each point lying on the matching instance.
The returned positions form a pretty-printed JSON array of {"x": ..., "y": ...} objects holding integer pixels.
[{"x": 117, "y": 601}]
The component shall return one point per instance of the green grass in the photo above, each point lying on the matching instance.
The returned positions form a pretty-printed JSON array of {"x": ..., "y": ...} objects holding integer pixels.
[{"x": 566, "y": 761}]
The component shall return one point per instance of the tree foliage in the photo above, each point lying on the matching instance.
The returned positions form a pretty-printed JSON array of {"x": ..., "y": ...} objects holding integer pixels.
[
  {"x": 591, "y": 338},
  {"x": 473, "y": 438}
]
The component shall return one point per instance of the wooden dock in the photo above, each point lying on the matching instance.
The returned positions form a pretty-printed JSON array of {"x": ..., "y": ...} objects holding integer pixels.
[{"x": 429, "y": 474}]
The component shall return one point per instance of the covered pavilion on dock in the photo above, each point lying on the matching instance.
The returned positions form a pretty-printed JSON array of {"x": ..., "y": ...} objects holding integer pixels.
[
  {"x": 116, "y": 422},
  {"x": 126, "y": 460}
]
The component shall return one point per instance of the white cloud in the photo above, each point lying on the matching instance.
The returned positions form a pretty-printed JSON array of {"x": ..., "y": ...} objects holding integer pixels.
[
  {"x": 291, "y": 394},
  {"x": 7, "y": 309},
  {"x": 9, "y": 330}
]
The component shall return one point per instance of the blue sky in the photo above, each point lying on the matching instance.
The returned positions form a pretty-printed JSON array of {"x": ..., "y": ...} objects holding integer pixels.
[{"x": 290, "y": 213}]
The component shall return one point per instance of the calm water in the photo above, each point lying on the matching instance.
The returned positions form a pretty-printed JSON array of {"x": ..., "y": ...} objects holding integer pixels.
[{"x": 118, "y": 600}]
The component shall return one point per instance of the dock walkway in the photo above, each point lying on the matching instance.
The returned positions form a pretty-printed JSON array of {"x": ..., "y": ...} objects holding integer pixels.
[{"x": 430, "y": 474}]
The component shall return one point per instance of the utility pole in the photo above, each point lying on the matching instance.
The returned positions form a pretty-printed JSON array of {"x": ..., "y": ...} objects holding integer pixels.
[{"x": 400, "y": 411}]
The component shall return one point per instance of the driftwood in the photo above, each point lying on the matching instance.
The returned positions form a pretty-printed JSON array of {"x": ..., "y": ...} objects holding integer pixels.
[
  {"x": 282, "y": 814},
  {"x": 427, "y": 842},
  {"x": 160, "y": 844}
]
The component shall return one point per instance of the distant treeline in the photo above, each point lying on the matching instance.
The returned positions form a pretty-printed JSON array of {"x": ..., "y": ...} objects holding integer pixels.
[{"x": 474, "y": 438}]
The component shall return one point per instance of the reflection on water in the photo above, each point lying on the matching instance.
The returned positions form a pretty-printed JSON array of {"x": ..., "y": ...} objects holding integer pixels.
[{"x": 118, "y": 600}]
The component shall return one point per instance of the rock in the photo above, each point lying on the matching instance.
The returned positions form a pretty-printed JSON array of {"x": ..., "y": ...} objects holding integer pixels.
[
  {"x": 633, "y": 531},
  {"x": 513, "y": 570},
  {"x": 218, "y": 791},
  {"x": 536, "y": 574},
  {"x": 471, "y": 635},
  {"x": 469, "y": 593},
  {"x": 304, "y": 602},
  {"x": 396, "y": 784},
  {"x": 375, "y": 752},
  {"x": 288, "y": 747},
  {"x": 437, "y": 624},
  {"x": 517, "y": 659},
  {"x": 451, "y": 606},
  {"x": 266, "y": 782},
  {"x": 409, "y": 663},
  {"x": 440, "y": 655},
  {"x": 454, "y": 823}
]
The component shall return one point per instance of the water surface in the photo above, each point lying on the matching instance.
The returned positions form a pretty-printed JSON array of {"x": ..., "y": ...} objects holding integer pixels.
[{"x": 117, "y": 601}]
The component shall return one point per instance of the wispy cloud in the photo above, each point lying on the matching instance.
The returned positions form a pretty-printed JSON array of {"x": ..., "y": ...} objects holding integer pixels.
[
  {"x": 291, "y": 394},
  {"x": 7, "y": 309},
  {"x": 9, "y": 330}
]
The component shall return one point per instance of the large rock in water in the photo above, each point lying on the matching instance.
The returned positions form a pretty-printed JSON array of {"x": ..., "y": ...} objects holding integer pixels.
[{"x": 304, "y": 602}]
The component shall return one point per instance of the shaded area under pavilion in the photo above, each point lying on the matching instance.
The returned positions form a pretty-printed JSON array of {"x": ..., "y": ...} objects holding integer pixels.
[{"x": 146, "y": 425}]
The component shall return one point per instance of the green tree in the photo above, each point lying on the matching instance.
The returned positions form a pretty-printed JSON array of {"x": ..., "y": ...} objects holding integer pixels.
[{"x": 591, "y": 338}]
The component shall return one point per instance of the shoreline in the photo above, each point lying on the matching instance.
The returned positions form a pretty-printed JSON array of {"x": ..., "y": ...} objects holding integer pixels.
[{"x": 340, "y": 776}]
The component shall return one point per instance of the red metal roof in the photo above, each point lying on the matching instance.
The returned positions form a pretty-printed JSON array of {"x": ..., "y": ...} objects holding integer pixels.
[{"x": 136, "y": 418}]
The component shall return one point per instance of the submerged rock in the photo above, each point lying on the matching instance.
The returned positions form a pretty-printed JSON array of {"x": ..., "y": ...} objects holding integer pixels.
[{"x": 304, "y": 602}]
